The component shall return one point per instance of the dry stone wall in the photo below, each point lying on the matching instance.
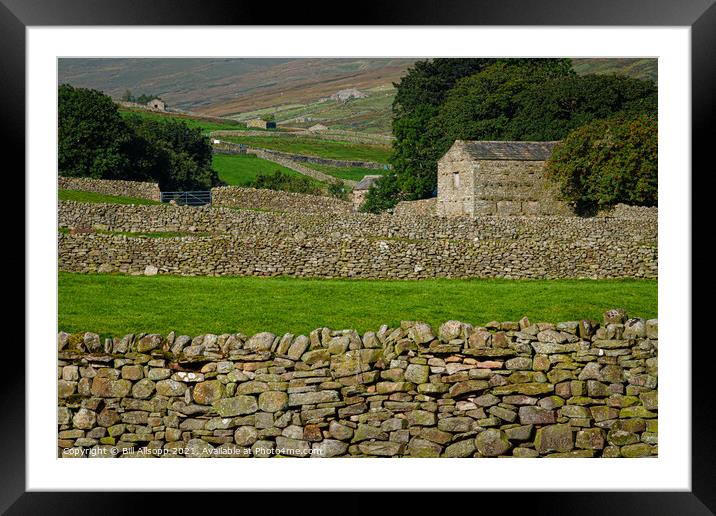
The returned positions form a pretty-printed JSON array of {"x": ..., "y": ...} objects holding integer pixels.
[
  {"x": 420, "y": 208},
  {"x": 135, "y": 189},
  {"x": 276, "y": 200},
  {"x": 331, "y": 245},
  {"x": 511, "y": 389}
]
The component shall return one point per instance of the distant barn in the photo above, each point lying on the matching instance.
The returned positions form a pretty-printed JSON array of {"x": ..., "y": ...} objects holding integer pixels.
[
  {"x": 361, "y": 190},
  {"x": 496, "y": 178},
  {"x": 156, "y": 105},
  {"x": 259, "y": 123}
]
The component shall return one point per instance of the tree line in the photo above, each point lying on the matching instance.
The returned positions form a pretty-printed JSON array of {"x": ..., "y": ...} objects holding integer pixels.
[
  {"x": 96, "y": 141},
  {"x": 607, "y": 125}
]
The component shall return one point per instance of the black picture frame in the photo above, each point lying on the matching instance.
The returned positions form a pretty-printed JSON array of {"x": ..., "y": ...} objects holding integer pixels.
[{"x": 700, "y": 15}]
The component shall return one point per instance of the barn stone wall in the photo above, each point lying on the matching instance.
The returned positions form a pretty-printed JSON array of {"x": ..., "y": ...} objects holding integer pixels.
[
  {"x": 495, "y": 187},
  {"x": 511, "y": 389}
]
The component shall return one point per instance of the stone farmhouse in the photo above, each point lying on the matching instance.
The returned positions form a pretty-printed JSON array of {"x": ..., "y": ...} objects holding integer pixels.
[
  {"x": 361, "y": 190},
  {"x": 259, "y": 123},
  {"x": 157, "y": 105},
  {"x": 496, "y": 178}
]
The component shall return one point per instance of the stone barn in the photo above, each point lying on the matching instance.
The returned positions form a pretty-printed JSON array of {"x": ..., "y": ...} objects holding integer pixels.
[
  {"x": 156, "y": 105},
  {"x": 496, "y": 178},
  {"x": 259, "y": 123},
  {"x": 361, "y": 190}
]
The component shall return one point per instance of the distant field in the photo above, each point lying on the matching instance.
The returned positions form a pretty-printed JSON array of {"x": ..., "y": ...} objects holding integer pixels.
[
  {"x": 77, "y": 195},
  {"x": 203, "y": 124},
  {"x": 119, "y": 304},
  {"x": 240, "y": 169},
  {"x": 320, "y": 148},
  {"x": 352, "y": 173}
]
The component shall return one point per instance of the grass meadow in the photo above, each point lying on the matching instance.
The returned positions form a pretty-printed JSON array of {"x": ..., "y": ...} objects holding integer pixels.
[
  {"x": 118, "y": 304},
  {"x": 241, "y": 169},
  {"x": 314, "y": 147}
]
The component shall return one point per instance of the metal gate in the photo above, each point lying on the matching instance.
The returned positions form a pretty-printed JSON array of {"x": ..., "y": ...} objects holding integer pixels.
[{"x": 198, "y": 198}]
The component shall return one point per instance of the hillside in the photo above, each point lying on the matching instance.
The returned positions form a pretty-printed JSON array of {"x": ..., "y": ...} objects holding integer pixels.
[{"x": 296, "y": 91}]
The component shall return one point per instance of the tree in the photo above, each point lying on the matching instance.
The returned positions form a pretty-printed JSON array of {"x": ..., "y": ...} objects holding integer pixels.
[
  {"x": 96, "y": 141},
  {"x": 172, "y": 153},
  {"x": 92, "y": 136},
  {"x": 607, "y": 162},
  {"x": 552, "y": 110}
]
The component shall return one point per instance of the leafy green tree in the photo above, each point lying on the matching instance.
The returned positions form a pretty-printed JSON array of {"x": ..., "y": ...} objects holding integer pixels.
[
  {"x": 172, "y": 153},
  {"x": 96, "y": 141},
  {"x": 608, "y": 161},
  {"x": 383, "y": 195},
  {"x": 337, "y": 188},
  {"x": 552, "y": 110},
  {"x": 92, "y": 136}
]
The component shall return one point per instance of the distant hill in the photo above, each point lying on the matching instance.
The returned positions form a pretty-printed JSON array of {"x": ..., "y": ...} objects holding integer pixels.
[
  {"x": 296, "y": 91},
  {"x": 637, "y": 68}
]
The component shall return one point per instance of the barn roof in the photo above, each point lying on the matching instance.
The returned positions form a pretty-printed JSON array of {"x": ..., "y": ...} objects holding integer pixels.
[
  {"x": 366, "y": 182},
  {"x": 507, "y": 150}
]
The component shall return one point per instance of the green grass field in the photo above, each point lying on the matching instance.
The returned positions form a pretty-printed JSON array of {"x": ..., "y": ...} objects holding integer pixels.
[
  {"x": 77, "y": 195},
  {"x": 240, "y": 169},
  {"x": 120, "y": 304},
  {"x": 206, "y": 126},
  {"x": 320, "y": 148},
  {"x": 351, "y": 173}
]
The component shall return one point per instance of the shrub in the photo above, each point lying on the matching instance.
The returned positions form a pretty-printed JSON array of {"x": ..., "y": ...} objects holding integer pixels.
[
  {"x": 288, "y": 183},
  {"x": 338, "y": 189},
  {"x": 607, "y": 162}
]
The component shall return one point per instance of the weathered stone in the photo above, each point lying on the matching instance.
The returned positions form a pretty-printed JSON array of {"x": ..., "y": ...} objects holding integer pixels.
[
  {"x": 421, "y": 418},
  {"x": 636, "y": 450},
  {"x": 423, "y": 448},
  {"x": 530, "y": 415},
  {"x": 468, "y": 387},
  {"x": 170, "y": 388},
  {"x": 365, "y": 432},
  {"x": 417, "y": 373},
  {"x": 554, "y": 438},
  {"x": 615, "y": 316},
  {"x": 260, "y": 342},
  {"x": 382, "y": 448},
  {"x": 246, "y": 435},
  {"x": 107, "y": 388},
  {"x": 198, "y": 448},
  {"x": 206, "y": 393},
  {"x": 273, "y": 401},
  {"x": 143, "y": 389},
  {"x": 298, "y": 347},
  {"x": 456, "y": 424},
  {"x": 328, "y": 448},
  {"x": 340, "y": 431},
  {"x": 236, "y": 406},
  {"x": 590, "y": 439},
  {"x": 460, "y": 449},
  {"x": 519, "y": 433},
  {"x": 492, "y": 442},
  {"x": 84, "y": 419},
  {"x": 149, "y": 343},
  {"x": 312, "y": 398},
  {"x": 421, "y": 333}
]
